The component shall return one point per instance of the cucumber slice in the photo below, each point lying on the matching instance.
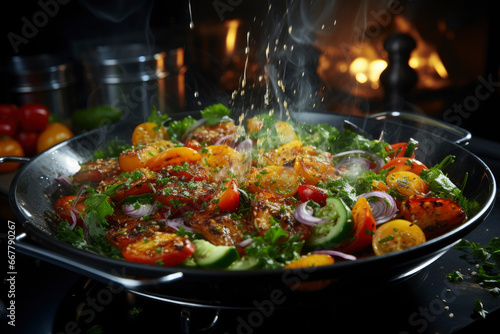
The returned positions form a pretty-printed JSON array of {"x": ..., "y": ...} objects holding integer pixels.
[
  {"x": 209, "y": 256},
  {"x": 189, "y": 263},
  {"x": 244, "y": 263},
  {"x": 338, "y": 227}
]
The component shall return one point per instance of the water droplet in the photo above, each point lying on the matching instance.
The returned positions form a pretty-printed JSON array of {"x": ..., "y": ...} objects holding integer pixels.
[{"x": 196, "y": 94}]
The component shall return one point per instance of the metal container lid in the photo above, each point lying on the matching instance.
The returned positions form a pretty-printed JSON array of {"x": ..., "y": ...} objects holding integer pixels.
[
  {"x": 124, "y": 63},
  {"x": 35, "y": 73}
]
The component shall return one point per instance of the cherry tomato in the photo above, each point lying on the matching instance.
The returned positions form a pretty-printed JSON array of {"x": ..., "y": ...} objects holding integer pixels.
[
  {"x": 396, "y": 235},
  {"x": 364, "y": 226},
  {"x": 28, "y": 140},
  {"x": 8, "y": 127},
  {"x": 63, "y": 207},
  {"x": 53, "y": 134},
  {"x": 8, "y": 120},
  {"x": 166, "y": 249},
  {"x": 405, "y": 164},
  {"x": 10, "y": 147},
  {"x": 33, "y": 117},
  {"x": 230, "y": 198},
  {"x": 308, "y": 192},
  {"x": 8, "y": 111}
]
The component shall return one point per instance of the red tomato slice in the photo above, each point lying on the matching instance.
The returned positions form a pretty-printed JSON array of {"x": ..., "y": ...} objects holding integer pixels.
[
  {"x": 63, "y": 207},
  {"x": 364, "y": 228},
  {"x": 405, "y": 165},
  {"x": 309, "y": 192},
  {"x": 230, "y": 198},
  {"x": 166, "y": 249},
  {"x": 399, "y": 150}
]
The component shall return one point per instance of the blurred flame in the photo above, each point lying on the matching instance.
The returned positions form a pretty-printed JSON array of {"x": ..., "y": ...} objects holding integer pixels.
[
  {"x": 232, "y": 30},
  {"x": 365, "y": 70},
  {"x": 424, "y": 56}
]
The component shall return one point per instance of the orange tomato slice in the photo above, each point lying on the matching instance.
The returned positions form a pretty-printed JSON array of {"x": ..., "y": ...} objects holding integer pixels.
[
  {"x": 364, "y": 227},
  {"x": 173, "y": 157},
  {"x": 136, "y": 158}
]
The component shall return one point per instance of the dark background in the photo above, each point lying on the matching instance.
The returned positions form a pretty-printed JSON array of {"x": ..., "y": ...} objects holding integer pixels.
[{"x": 73, "y": 26}]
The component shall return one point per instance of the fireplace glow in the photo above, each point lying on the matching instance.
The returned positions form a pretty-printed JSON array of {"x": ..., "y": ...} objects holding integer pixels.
[{"x": 232, "y": 30}]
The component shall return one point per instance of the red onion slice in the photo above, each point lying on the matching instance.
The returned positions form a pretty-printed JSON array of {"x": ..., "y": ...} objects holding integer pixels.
[
  {"x": 379, "y": 161},
  {"x": 143, "y": 210},
  {"x": 222, "y": 140},
  {"x": 303, "y": 214},
  {"x": 245, "y": 242},
  {"x": 175, "y": 223},
  {"x": 383, "y": 209},
  {"x": 189, "y": 131},
  {"x": 73, "y": 212},
  {"x": 65, "y": 181},
  {"x": 337, "y": 254},
  {"x": 245, "y": 146}
]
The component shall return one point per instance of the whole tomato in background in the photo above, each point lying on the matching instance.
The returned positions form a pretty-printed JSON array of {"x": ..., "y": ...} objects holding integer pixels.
[
  {"x": 33, "y": 117},
  {"x": 8, "y": 120},
  {"x": 30, "y": 127},
  {"x": 53, "y": 134},
  {"x": 10, "y": 147}
]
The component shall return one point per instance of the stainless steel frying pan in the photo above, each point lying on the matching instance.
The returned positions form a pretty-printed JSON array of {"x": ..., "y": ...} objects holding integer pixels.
[{"x": 35, "y": 188}]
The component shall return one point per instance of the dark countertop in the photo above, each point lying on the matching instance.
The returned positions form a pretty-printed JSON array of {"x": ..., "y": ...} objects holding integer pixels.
[{"x": 50, "y": 299}]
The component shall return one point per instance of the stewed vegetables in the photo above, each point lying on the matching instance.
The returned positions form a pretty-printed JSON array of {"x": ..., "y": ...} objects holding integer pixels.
[{"x": 214, "y": 195}]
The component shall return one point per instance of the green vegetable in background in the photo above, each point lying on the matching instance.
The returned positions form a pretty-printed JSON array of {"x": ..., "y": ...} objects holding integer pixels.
[{"x": 87, "y": 119}]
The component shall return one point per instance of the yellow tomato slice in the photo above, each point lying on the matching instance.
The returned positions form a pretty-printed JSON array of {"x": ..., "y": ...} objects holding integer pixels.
[
  {"x": 276, "y": 179},
  {"x": 396, "y": 235},
  {"x": 407, "y": 183},
  {"x": 147, "y": 132},
  {"x": 314, "y": 171},
  {"x": 311, "y": 260}
]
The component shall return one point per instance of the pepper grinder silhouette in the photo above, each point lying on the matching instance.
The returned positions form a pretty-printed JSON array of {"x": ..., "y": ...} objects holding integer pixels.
[{"x": 398, "y": 79}]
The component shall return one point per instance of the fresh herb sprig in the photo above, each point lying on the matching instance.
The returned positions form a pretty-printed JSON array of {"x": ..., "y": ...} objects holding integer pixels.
[
  {"x": 275, "y": 248},
  {"x": 486, "y": 259}
]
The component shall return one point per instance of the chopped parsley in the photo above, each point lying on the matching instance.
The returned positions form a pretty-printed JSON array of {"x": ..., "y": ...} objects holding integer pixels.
[{"x": 274, "y": 249}]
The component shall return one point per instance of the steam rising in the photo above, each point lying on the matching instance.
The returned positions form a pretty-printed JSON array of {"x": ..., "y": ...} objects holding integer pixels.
[{"x": 288, "y": 38}]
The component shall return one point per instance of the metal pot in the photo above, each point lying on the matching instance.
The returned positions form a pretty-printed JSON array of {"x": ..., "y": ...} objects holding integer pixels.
[
  {"x": 47, "y": 79},
  {"x": 35, "y": 188},
  {"x": 133, "y": 78}
]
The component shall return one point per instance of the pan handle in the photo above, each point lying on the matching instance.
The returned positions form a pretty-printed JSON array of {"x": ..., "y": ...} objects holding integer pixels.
[
  {"x": 22, "y": 160},
  {"x": 455, "y": 133},
  {"x": 32, "y": 249}
]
